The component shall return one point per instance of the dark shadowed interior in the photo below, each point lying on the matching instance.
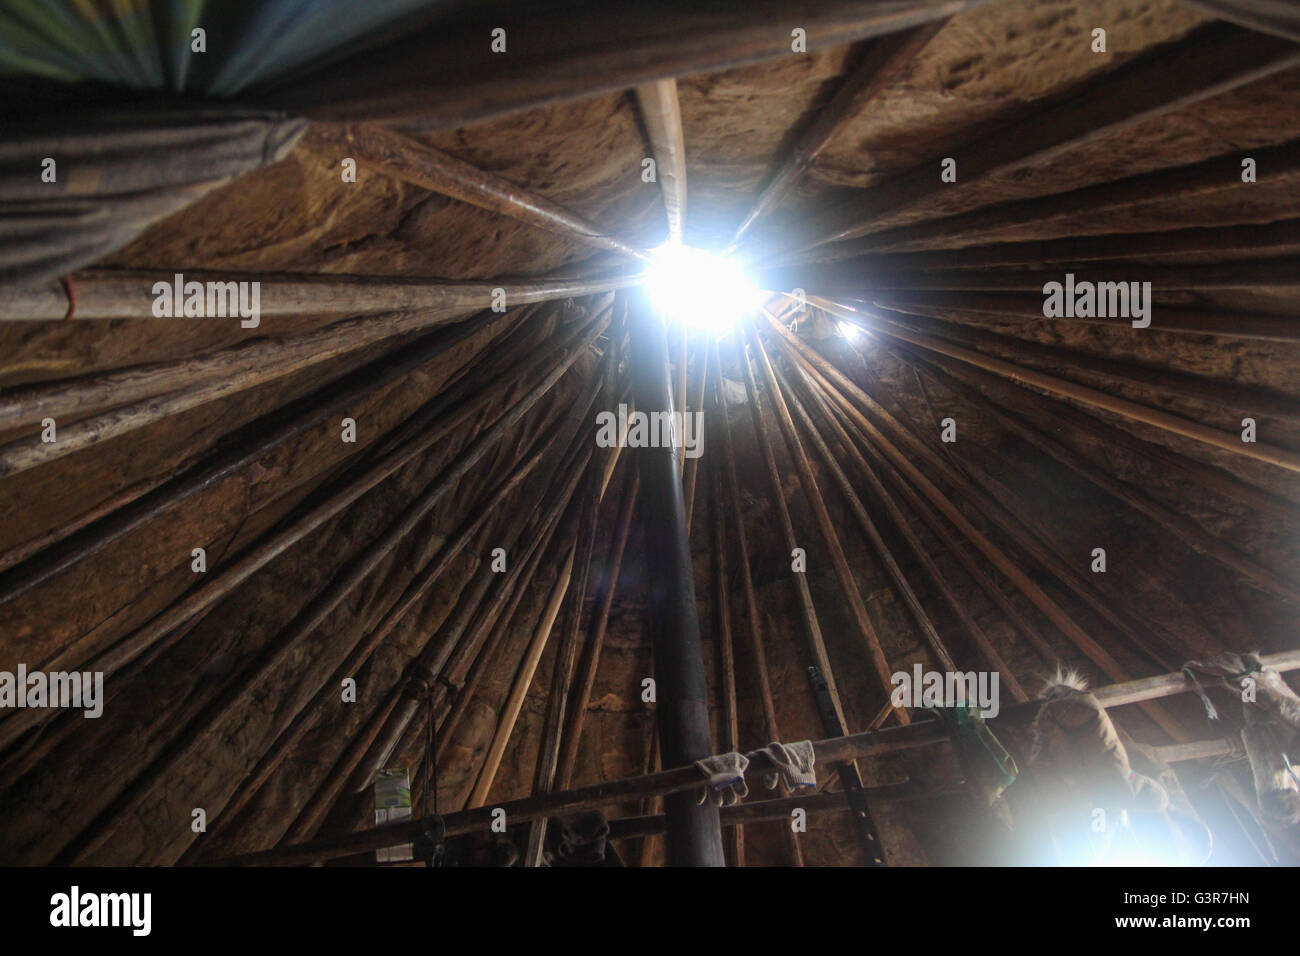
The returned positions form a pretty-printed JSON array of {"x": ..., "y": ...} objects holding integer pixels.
[{"x": 374, "y": 527}]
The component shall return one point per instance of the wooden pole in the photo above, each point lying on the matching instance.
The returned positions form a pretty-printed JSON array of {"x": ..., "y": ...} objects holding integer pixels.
[
  {"x": 1234, "y": 400},
  {"x": 731, "y": 486},
  {"x": 826, "y": 526},
  {"x": 445, "y": 74},
  {"x": 161, "y": 389},
  {"x": 845, "y": 278},
  {"x": 757, "y": 811},
  {"x": 909, "y": 599},
  {"x": 415, "y": 590},
  {"x": 129, "y": 294},
  {"x": 468, "y": 665},
  {"x": 812, "y": 627},
  {"x": 54, "y": 537},
  {"x": 576, "y": 715},
  {"x": 1186, "y": 530},
  {"x": 256, "y": 440},
  {"x": 984, "y": 308},
  {"x": 432, "y": 660},
  {"x": 361, "y": 652},
  {"x": 303, "y": 626},
  {"x": 1266, "y": 16},
  {"x": 498, "y": 629},
  {"x": 472, "y": 618},
  {"x": 650, "y": 805},
  {"x": 1227, "y": 441},
  {"x": 566, "y": 656},
  {"x": 402, "y": 157},
  {"x": 915, "y": 545},
  {"x": 692, "y": 467},
  {"x": 559, "y": 702},
  {"x": 818, "y": 369},
  {"x": 1211, "y": 478},
  {"x": 663, "y": 122},
  {"x": 272, "y": 657},
  {"x": 523, "y": 679},
  {"x": 825, "y": 690},
  {"x": 1213, "y": 60},
  {"x": 218, "y": 585},
  {"x": 874, "y": 70},
  {"x": 1282, "y": 233},
  {"x": 1170, "y": 184},
  {"x": 987, "y": 505},
  {"x": 160, "y": 639},
  {"x": 734, "y": 839},
  {"x": 682, "y": 705}
]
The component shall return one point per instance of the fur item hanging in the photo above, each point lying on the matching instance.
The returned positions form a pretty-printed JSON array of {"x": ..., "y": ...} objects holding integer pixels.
[
  {"x": 1275, "y": 782},
  {"x": 1075, "y": 738},
  {"x": 1271, "y": 713},
  {"x": 1258, "y": 685},
  {"x": 1180, "y": 824}
]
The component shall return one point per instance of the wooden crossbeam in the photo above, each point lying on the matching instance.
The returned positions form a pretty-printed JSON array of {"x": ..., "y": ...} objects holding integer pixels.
[
  {"x": 678, "y": 779},
  {"x": 446, "y": 75}
]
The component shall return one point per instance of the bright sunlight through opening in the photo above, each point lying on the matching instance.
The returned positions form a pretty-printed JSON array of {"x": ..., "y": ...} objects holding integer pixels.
[
  {"x": 851, "y": 331},
  {"x": 704, "y": 292}
]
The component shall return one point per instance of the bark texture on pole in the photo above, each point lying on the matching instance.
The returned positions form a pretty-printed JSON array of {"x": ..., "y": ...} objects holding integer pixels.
[{"x": 694, "y": 834}]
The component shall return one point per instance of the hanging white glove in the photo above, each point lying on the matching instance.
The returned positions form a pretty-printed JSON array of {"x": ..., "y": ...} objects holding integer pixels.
[
  {"x": 793, "y": 765},
  {"x": 726, "y": 774}
]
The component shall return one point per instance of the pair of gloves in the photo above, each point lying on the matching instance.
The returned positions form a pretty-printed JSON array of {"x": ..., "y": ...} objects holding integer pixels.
[{"x": 792, "y": 764}]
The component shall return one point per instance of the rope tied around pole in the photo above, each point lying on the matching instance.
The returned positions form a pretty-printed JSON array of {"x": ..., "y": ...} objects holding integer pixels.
[
  {"x": 1231, "y": 669},
  {"x": 453, "y": 689}
]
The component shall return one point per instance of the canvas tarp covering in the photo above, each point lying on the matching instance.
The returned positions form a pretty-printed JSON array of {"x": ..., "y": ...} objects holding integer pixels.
[
  {"x": 116, "y": 172},
  {"x": 120, "y": 169}
]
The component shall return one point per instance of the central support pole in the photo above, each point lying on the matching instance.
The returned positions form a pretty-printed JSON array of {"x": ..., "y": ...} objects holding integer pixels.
[{"x": 694, "y": 832}]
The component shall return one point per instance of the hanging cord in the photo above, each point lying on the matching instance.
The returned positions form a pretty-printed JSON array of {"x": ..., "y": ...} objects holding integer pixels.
[
  {"x": 72, "y": 297},
  {"x": 1228, "y": 679},
  {"x": 1210, "y": 711},
  {"x": 430, "y": 783},
  {"x": 430, "y": 846}
]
